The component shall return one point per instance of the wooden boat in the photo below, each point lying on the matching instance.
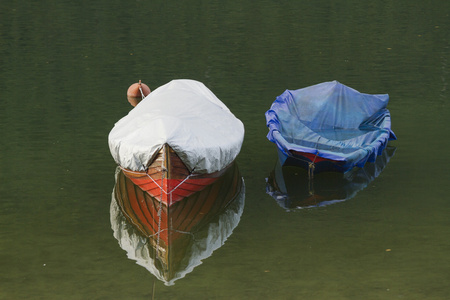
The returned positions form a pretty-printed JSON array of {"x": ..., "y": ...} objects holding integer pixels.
[
  {"x": 176, "y": 141},
  {"x": 292, "y": 188},
  {"x": 167, "y": 178},
  {"x": 329, "y": 127},
  {"x": 165, "y": 239}
]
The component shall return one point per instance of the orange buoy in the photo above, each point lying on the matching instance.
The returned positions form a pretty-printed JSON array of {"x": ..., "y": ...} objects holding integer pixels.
[{"x": 136, "y": 92}]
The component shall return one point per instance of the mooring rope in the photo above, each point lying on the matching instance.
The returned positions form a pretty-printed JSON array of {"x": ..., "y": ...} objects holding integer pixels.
[
  {"x": 174, "y": 230},
  {"x": 311, "y": 168},
  {"x": 140, "y": 90},
  {"x": 162, "y": 192},
  {"x": 311, "y": 164},
  {"x": 163, "y": 168},
  {"x": 146, "y": 174},
  {"x": 187, "y": 177},
  {"x": 161, "y": 186}
]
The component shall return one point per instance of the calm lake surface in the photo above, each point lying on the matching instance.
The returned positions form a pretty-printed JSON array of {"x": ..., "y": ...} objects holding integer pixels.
[{"x": 64, "y": 71}]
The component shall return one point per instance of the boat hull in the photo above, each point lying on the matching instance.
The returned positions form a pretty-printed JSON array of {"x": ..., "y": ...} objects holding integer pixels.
[
  {"x": 307, "y": 160},
  {"x": 329, "y": 127},
  {"x": 170, "y": 231},
  {"x": 168, "y": 179}
]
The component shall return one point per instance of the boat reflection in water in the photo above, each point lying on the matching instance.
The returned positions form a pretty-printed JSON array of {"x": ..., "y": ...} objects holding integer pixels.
[
  {"x": 171, "y": 241},
  {"x": 293, "y": 189}
]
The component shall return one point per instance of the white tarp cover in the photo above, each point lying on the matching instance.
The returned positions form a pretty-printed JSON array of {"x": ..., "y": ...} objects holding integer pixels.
[{"x": 188, "y": 117}]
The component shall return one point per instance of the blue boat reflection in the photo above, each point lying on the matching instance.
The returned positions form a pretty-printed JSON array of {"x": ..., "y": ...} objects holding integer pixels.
[
  {"x": 170, "y": 241},
  {"x": 292, "y": 188}
]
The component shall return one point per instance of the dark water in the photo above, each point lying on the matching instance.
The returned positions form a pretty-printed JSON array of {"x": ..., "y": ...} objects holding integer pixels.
[{"x": 64, "y": 70}]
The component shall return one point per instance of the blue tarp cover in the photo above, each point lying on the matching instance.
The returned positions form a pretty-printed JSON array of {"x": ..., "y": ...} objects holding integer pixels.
[{"x": 332, "y": 121}]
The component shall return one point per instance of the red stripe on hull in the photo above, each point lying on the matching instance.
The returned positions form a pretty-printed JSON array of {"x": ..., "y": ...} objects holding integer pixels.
[
  {"x": 172, "y": 190},
  {"x": 168, "y": 179},
  {"x": 310, "y": 156}
]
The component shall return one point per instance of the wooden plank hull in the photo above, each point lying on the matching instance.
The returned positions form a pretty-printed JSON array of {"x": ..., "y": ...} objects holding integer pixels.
[
  {"x": 168, "y": 180},
  {"x": 170, "y": 229}
]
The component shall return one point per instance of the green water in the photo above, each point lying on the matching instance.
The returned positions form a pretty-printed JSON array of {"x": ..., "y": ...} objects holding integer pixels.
[{"x": 64, "y": 70}]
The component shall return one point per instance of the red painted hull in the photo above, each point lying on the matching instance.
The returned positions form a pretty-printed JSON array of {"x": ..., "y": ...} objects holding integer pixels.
[
  {"x": 306, "y": 160},
  {"x": 170, "y": 230},
  {"x": 311, "y": 157},
  {"x": 170, "y": 191},
  {"x": 168, "y": 180},
  {"x": 142, "y": 210}
]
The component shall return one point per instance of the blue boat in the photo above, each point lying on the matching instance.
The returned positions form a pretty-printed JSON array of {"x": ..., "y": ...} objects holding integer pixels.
[{"x": 329, "y": 127}]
